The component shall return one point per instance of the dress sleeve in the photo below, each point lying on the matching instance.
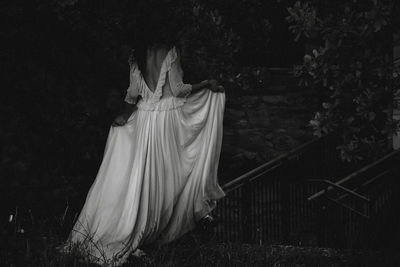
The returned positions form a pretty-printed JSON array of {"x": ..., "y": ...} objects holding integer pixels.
[
  {"x": 175, "y": 77},
  {"x": 132, "y": 92}
]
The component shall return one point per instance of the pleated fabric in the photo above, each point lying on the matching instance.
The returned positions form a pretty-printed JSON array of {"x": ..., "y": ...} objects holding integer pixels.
[{"x": 157, "y": 178}]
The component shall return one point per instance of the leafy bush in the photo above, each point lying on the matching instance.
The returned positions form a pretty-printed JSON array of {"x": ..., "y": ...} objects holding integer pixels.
[
  {"x": 66, "y": 72},
  {"x": 350, "y": 61}
]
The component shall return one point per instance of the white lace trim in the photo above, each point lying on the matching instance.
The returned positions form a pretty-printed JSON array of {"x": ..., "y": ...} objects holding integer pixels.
[
  {"x": 154, "y": 97},
  {"x": 166, "y": 66},
  {"x": 162, "y": 105}
]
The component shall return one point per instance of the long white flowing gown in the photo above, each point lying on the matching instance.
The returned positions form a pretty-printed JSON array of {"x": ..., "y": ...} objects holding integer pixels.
[{"x": 159, "y": 171}]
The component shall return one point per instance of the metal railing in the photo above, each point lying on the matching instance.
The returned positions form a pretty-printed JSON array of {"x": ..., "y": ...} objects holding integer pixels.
[
  {"x": 272, "y": 203},
  {"x": 268, "y": 204}
]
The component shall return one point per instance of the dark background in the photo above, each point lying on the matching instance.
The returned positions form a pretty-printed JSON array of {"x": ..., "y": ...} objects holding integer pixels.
[{"x": 65, "y": 72}]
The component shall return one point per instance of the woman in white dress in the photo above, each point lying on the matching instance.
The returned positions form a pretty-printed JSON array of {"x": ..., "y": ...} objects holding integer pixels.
[{"x": 158, "y": 176}]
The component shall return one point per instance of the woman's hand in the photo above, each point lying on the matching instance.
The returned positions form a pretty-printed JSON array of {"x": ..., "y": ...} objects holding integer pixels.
[
  {"x": 131, "y": 58},
  {"x": 123, "y": 118},
  {"x": 120, "y": 120},
  {"x": 215, "y": 87}
]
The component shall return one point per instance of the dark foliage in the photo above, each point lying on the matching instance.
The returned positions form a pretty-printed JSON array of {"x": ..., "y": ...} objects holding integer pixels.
[
  {"x": 65, "y": 71},
  {"x": 350, "y": 60}
]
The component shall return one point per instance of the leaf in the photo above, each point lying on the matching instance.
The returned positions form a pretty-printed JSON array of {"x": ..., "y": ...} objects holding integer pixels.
[
  {"x": 326, "y": 105},
  {"x": 371, "y": 116}
]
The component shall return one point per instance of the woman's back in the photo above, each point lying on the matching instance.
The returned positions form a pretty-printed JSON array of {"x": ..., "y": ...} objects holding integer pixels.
[
  {"x": 154, "y": 59},
  {"x": 161, "y": 78}
]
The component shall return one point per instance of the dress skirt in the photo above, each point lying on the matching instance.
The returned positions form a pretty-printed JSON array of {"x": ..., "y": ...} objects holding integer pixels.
[{"x": 157, "y": 178}]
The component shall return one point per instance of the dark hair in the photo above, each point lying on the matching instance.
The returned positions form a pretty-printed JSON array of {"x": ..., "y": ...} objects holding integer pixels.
[{"x": 156, "y": 26}]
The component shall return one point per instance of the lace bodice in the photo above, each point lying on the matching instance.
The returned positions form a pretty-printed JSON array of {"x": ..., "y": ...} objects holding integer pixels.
[{"x": 169, "y": 85}]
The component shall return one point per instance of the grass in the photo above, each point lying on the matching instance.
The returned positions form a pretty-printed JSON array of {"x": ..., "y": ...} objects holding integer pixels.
[
  {"x": 194, "y": 249},
  {"x": 31, "y": 241}
]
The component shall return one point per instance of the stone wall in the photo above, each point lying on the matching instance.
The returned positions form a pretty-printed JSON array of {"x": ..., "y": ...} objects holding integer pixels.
[
  {"x": 258, "y": 128},
  {"x": 396, "y": 111}
]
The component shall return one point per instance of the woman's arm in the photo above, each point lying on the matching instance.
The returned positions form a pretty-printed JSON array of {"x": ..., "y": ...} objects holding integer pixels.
[
  {"x": 180, "y": 89},
  {"x": 131, "y": 97},
  {"x": 215, "y": 87},
  {"x": 210, "y": 84},
  {"x": 199, "y": 86},
  {"x": 123, "y": 118},
  {"x": 128, "y": 110}
]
